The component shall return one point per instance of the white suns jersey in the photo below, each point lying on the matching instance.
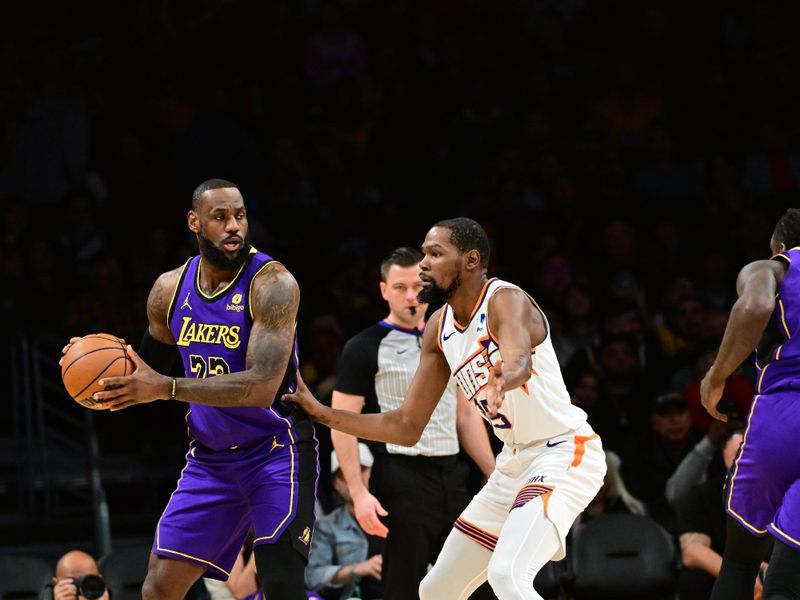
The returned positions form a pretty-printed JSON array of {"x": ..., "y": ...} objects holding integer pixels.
[{"x": 539, "y": 409}]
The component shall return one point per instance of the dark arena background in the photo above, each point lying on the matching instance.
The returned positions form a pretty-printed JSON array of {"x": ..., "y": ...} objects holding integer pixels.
[{"x": 626, "y": 158}]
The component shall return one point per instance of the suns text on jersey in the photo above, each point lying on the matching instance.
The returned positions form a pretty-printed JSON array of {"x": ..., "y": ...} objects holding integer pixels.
[
  {"x": 205, "y": 333},
  {"x": 473, "y": 375}
]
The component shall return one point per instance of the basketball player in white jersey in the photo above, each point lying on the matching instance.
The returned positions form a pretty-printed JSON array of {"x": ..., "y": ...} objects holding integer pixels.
[{"x": 496, "y": 341}]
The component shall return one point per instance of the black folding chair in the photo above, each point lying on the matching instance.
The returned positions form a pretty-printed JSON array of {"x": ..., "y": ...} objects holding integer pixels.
[
  {"x": 623, "y": 557},
  {"x": 23, "y": 577},
  {"x": 124, "y": 570}
]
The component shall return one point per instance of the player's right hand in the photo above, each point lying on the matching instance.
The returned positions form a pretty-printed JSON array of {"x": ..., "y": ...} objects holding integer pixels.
[
  {"x": 711, "y": 393},
  {"x": 303, "y": 397},
  {"x": 368, "y": 509},
  {"x": 371, "y": 567},
  {"x": 495, "y": 390}
]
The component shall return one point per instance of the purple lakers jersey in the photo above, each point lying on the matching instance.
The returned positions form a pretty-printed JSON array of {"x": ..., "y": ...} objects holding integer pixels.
[
  {"x": 778, "y": 353},
  {"x": 212, "y": 332}
]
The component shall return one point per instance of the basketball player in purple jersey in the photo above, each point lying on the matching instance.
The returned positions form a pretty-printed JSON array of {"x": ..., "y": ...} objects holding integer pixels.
[
  {"x": 231, "y": 314},
  {"x": 762, "y": 493}
]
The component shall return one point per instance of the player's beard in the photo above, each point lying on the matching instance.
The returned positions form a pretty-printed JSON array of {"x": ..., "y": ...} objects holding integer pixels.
[
  {"x": 435, "y": 295},
  {"x": 217, "y": 257}
]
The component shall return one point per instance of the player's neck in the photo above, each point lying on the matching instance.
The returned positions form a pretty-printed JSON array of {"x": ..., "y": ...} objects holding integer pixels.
[
  {"x": 212, "y": 278},
  {"x": 465, "y": 297}
]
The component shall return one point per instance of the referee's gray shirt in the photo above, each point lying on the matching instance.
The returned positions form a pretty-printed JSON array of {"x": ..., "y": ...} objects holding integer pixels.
[{"x": 379, "y": 364}]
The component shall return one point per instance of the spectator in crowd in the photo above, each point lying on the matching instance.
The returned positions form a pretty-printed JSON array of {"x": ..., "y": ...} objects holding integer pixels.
[
  {"x": 338, "y": 564},
  {"x": 695, "y": 467},
  {"x": 648, "y": 461},
  {"x": 622, "y": 407},
  {"x": 613, "y": 497},
  {"x": 701, "y": 530},
  {"x": 76, "y": 572}
]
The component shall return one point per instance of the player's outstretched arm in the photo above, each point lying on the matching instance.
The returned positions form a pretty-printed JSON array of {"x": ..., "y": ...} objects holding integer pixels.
[
  {"x": 276, "y": 297},
  {"x": 401, "y": 426},
  {"x": 757, "y": 285},
  {"x": 518, "y": 327}
]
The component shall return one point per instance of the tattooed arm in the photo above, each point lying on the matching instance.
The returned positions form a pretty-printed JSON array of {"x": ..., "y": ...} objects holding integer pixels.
[
  {"x": 276, "y": 298},
  {"x": 158, "y": 306}
]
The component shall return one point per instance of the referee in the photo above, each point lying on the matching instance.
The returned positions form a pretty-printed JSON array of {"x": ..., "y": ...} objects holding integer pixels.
[{"x": 421, "y": 490}]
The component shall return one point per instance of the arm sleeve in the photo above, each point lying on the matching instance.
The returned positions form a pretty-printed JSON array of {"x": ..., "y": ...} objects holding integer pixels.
[
  {"x": 357, "y": 368},
  {"x": 690, "y": 472},
  {"x": 158, "y": 355}
]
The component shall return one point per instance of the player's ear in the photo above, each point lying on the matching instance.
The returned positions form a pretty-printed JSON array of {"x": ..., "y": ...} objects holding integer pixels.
[
  {"x": 193, "y": 221},
  {"x": 473, "y": 259}
]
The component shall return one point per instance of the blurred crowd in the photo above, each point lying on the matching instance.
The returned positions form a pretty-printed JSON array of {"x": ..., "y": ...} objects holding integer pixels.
[{"x": 626, "y": 159}]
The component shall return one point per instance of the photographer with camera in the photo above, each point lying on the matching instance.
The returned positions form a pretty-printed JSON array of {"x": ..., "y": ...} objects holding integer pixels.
[{"x": 77, "y": 578}]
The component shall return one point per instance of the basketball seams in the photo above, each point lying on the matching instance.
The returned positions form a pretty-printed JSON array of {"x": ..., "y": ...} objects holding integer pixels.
[
  {"x": 84, "y": 355},
  {"x": 99, "y": 365},
  {"x": 100, "y": 374}
]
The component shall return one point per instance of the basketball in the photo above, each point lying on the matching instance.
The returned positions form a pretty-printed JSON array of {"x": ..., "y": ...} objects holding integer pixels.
[{"x": 89, "y": 359}]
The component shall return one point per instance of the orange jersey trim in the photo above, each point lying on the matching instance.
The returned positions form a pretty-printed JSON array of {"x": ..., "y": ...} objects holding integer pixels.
[
  {"x": 580, "y": 448},
  {"x": 475, "y": 533},
  {"x": 462, "y": 328}
]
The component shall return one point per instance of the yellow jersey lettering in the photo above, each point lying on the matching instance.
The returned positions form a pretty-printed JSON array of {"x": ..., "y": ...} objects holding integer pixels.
[{"x": 205, "y": 333}]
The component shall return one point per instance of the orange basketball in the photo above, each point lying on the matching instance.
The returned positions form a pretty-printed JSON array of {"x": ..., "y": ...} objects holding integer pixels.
[{"x": 89, "y": 359}]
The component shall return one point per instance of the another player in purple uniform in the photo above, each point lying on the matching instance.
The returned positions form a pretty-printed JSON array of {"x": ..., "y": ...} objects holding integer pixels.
[
  {"x": 763, "y": 490},
  {"x": 231, "y": 313}
]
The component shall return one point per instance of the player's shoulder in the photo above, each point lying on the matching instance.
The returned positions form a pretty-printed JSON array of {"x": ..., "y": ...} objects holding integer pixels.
[
  {"x": 273, "y": 284},
  {"x": 166, "y": 283},
  {"x": 164, "y": 290},
  {"x": 506, "y": 293},
  {"x": 436, "y": 317},
  {"x": 274, "y": 272},
  {"x": 776, "y": 265}
]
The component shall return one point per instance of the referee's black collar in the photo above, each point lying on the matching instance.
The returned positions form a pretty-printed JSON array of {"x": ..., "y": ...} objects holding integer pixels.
[{"x": 385, "y": 323}]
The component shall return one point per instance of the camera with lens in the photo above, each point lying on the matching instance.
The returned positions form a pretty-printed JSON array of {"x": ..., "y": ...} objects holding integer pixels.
[{"x": 90, "y": 586}]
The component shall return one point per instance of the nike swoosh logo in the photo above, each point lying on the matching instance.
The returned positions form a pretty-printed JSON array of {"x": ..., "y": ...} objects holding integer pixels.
[
  {"x": 403, "y": 350},
  {"x": 448, "y": 336},
  {"x": 550, "y": 445}
]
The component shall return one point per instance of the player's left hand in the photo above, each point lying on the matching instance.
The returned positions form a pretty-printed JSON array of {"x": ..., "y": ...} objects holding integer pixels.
[
  {"x": 143, "y": 385},
  {"x": 496, "y": 390},
  {"x": 711, "y": 393}
]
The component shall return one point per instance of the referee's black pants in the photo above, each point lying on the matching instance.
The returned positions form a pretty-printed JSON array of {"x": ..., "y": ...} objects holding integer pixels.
[{"x": 423, "y": 496}]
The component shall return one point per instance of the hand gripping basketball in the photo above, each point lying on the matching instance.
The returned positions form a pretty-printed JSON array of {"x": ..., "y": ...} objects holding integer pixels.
[
  {"x": 88, "y": 359},
  {"x": 144, "y": 385}
]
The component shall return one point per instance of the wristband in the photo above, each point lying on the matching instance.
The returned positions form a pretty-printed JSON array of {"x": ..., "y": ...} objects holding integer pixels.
[{"x": 173, "y": 386}]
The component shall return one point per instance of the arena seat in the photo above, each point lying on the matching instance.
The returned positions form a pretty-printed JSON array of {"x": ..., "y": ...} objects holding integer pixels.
[{"x": 623, "y": 556}]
